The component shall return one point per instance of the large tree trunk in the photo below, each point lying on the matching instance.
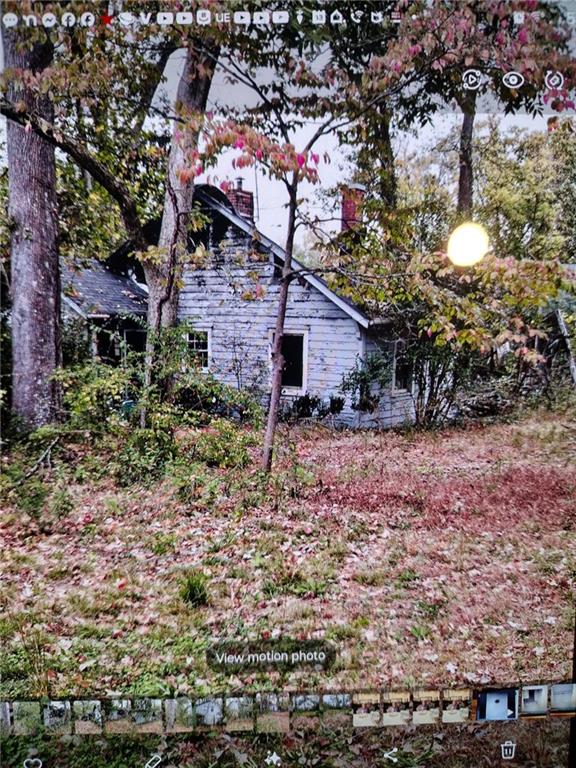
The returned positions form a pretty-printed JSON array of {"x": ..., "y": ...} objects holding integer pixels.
[
  {"x": 466, "y": 172},
  {"x": 163, "y": 279},
  {"x": 388, "y": 184},
  {"x": 277, "y": 358},
  {"x": 192, "y": 96},
  {"x": 35, "y": 277},
  {"x": 376, "y": 159}
]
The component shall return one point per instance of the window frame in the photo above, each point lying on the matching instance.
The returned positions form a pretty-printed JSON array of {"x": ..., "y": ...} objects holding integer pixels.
[
  {"x": 304, "y": 332},
  {"x": 409, "y": 389},
  {"x": 208, "y": 332}
]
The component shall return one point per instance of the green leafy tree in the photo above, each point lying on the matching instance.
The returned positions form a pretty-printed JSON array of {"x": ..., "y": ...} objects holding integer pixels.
[
  {"x": 440, "y": 42},
  {"x": 101, "y": 89},
  {"x": 450, "y": 318}
]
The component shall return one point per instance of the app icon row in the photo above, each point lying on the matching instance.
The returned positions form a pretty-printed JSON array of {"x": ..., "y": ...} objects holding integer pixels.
[{"x": 473, "y": 79}]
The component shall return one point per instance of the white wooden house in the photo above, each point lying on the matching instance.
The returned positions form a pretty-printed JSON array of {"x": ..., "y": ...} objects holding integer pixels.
[{"x": 232, "y": 301}]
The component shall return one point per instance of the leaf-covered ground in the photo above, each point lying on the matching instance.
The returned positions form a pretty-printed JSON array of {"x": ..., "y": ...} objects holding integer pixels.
[
  {"x": 427, "y": 559},
  {"x": 540, "y": 744}
]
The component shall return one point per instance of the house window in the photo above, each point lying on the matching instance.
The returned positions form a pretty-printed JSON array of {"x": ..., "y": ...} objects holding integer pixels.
[
  {"x": 295, "y": 354},
  {"x": 135, "y": 339},
  {"x": 402, "y": 367},
  {"x": 199, "y": 347}
]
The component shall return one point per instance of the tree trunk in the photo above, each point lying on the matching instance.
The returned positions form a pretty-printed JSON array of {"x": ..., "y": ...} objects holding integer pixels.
[
  {"x": 35, "y": 274},
  {"x": 277, "y": 358},
  {"x": 388, "y": 184},
  {"x": 163, "y": 279},
  {"x": 376, "y": 156},
  {"x": 466, "y": 174}
]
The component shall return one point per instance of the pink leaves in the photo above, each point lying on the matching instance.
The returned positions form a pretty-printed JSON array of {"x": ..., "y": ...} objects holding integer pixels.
[
  {"x": 185, "y": 175},
  {"x": 255, "y": 147}
]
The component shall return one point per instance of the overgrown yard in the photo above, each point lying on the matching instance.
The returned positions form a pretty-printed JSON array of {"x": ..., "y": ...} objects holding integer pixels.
[{"x": 427, "y": 559}]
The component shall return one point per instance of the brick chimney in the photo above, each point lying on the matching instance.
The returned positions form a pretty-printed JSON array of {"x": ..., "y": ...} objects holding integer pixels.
[
  {"x": 352, "y": 199},
  {"x": 242, "y": 200}
]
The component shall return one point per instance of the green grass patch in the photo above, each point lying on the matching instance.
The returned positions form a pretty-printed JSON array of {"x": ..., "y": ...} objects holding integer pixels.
[{"x": 194, "y": 589}]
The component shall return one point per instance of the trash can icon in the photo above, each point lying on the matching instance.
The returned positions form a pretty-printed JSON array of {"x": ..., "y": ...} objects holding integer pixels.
[{"x": 508, "y": 750}]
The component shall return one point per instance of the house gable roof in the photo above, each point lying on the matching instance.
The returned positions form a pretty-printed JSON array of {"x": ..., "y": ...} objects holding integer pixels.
[
  {"x": 103, "y": 288},
  {"x": 204, "y": 195}
]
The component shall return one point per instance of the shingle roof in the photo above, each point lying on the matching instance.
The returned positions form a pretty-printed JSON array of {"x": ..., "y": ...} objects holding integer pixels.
[{"x": 97, "y": 290}]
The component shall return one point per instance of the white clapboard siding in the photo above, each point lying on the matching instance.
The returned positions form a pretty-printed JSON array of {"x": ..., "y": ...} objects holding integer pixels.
[
  {"x": 240, "y": 329},
  {"x": 397, "y": 405}
]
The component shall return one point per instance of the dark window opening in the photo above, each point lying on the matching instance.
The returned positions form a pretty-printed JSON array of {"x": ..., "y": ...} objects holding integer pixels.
[
  {"x": 402, "y": 368},
  {"x": 293, "y": 354},
  {"x": 198, "y": 346},
  {"x": 135, "y": 339},
  {"x": 112, "y": 342}
]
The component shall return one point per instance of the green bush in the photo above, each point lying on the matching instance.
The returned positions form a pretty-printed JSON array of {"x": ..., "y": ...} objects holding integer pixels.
[
  {"x": 144, "y": 456},
  {"x": 30, "y": 497},
  {"x": 94, "y": 392},
  {"x": 224, "y": 444},
  {"x": 75, "y": 342},
  {"x": 194, "y": 485},
  {"x": 194, "y": 394},
  {"x": 368, "y": 380},
  {"x": 194, "y": 589},
  {"x": 60, "y": 502},
  {"x": 179, "y": 392},
  {"x": 311, "y": 406}
]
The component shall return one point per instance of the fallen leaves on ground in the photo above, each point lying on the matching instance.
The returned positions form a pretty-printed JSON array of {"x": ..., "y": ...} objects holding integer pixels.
[{"x": 442, "y": 559}]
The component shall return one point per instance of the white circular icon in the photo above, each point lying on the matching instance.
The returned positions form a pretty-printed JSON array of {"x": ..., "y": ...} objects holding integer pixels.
[
  {"x": 126, "y": 18},
  {"x": 9, "y": 19},
  {"x": 68, "y": 20},
  {"x": 472, "y": 79},
  {"x": 49, "y": 20},
  {"x": 513, "y": 80},
  {"x": 554, "y": 80}
]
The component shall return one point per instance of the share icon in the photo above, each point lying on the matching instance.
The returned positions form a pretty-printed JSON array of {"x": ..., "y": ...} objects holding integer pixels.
[{"x": 390, "y": 755}]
